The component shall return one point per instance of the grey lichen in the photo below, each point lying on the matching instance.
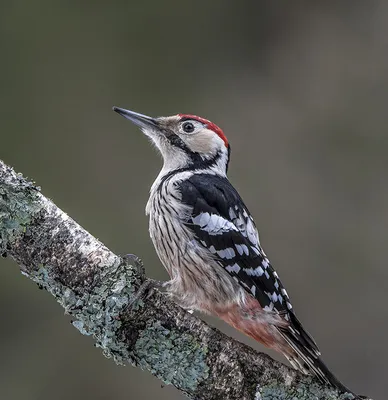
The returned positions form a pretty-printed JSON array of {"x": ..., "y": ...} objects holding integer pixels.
[
  {"x": 175, "y": 357},
  {"x": 92, "y": 284},
  {"x": 96, "y": 312},
  {"x": 19, "y": 204}
]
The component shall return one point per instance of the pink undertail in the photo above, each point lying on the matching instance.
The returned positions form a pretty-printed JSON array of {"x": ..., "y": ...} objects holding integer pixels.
[
  {"x": 274, "y": 332},
  {"x": 253, "y": 321}
]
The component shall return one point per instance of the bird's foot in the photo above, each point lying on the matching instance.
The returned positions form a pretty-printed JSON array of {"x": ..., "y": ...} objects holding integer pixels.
[
  {"x": 147, "y": 286},
  {"x": 145, "y": 291}
]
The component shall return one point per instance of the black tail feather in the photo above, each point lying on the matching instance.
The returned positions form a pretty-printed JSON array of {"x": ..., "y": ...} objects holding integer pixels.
[{"x": 307, "y": 355}]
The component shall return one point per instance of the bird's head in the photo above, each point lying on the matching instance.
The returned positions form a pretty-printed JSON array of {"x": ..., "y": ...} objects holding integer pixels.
[{"x": 184, "y": 140}]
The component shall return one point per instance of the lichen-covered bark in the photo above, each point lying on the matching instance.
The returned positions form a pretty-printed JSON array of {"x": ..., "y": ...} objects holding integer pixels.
[{"x": 95, "y": 286}]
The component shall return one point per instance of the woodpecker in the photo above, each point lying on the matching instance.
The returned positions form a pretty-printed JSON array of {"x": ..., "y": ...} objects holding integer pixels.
[{"x": 208, "y": 242}]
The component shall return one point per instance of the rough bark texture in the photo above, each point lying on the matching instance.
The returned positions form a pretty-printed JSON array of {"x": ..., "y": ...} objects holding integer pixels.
[{"x": 95, "y": 286}]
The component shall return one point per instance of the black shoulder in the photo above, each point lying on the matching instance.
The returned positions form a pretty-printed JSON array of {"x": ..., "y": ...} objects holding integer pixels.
[{"x": 210, "y": 191}]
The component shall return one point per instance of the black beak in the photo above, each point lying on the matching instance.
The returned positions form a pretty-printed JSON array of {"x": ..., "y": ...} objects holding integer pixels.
[{"x": 142, "y": 121}]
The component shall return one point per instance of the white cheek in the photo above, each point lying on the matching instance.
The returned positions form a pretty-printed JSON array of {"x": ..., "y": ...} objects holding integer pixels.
[{"x": 204, "y": 142}]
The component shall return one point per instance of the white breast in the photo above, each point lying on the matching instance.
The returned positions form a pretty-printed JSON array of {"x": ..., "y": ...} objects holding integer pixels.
[{"x": 197, "y": 279}]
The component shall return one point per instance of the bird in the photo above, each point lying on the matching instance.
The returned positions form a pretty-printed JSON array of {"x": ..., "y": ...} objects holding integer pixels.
[{"x": 206, "y": 238}]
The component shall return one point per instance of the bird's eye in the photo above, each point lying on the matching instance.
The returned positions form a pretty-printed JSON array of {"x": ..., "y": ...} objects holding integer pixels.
[{"x": 188, "y": 127}]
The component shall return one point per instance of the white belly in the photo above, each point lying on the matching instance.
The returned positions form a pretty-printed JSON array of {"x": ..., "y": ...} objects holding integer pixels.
[{"x": 198, "y": 281}]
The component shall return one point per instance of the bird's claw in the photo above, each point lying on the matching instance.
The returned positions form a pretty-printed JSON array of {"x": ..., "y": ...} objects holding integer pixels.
[{"x": 145, "y": 291}]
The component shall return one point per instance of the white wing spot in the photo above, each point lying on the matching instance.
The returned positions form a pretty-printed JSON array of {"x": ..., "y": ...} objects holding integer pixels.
[
  {"x": 289, "y": 306},
  {"x": 227, "y": 253},
  {"x": 276, "y": 285},
  {"x": 239, "y": 249},
  {"x": 231, "y": 252},
  {"x": 254, "y": 271},
  {"x": 219, "y": 222},
  {"x": 274, "y": 297},
  {"x": 203, "y": 219},
  {"x": 253, "y": 290},
  {"x": 284, "y": 292},
  {"x": 233, "y": 268},
  {"x": 266, "y": 274},
  {"x": 265, "y": 263},
  {"x": 256, "y": 250},
  {"x": 280, "y": 298},
  {"x": 245, "y": 249},
  {"x": 213, "y": 224},
  {"x": 221, "y": 253}
]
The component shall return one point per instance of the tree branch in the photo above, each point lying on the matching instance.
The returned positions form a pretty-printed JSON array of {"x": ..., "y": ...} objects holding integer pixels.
[{"x": 95, "y": 287}]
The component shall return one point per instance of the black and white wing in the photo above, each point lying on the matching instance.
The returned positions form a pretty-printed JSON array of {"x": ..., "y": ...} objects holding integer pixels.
[{"x": 222, "y": 223}]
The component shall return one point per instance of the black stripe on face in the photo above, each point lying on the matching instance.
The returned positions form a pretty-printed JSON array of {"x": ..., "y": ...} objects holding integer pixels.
[
  {"x": 197, "y": 161},
  {"x": 176, "y": 141}
]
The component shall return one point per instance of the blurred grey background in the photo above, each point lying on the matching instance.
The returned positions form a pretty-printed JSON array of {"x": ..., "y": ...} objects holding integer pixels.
[{"x": 300, "y": 89}]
